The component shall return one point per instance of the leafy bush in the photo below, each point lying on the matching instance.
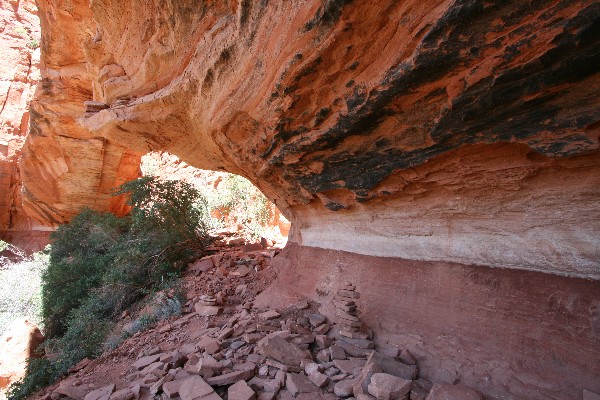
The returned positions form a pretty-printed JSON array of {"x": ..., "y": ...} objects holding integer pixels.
[
  {"x": 33, "y": 43},
  {"x": 82, "y": 252},
  {"x": 20, "y": 285},
  {"x": 239, "y": 201},
  {"x": 101, "y": 264},
  {"x": 40, "y": 373}
]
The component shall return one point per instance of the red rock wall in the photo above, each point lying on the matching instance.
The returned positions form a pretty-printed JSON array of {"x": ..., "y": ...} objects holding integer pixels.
[
  {"x": 65, "y": 167},
  {"x": 19, "y": 76},
  {"x": 511, "y": 334},
  {"x": 382, "y": 122}
]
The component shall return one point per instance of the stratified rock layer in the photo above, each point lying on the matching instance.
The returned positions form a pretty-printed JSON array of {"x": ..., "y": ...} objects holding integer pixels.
[
  {"x": 426, "y": 130},
  {"x": 64, "y": 166},
  {"x": 19, "y": 76}
]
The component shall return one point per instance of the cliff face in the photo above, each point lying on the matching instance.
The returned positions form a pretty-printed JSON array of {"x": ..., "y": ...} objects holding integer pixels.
[
  {"x": 64, "y": 166},
  {"x": 442, "y": 131},
  {"x": 19, "y": 76}
]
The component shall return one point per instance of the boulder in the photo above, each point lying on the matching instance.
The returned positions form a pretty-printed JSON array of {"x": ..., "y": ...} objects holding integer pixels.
[
  {"x": 240, "y": 391},
  {"x": 279, "y": 349},
  {"x": 388, "y": 387},
  {"x": 18, "y": 343},
  {"x": 195, "y": 388}
]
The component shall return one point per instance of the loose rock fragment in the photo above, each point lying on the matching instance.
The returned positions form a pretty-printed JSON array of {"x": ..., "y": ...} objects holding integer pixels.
[
  {"x": 171, "y": 389},
  {"x": 343, "y": 388},
  {"x": 145, "y": 361},
  {"x": 281, "y": 350},
  {"x": 388, "y": 387},
  {"x": 240, "y": 391},
  {"x": 299, "y": 383},
  {"x": 195, "y": 388},
  {"x": 100, "y": 394}
]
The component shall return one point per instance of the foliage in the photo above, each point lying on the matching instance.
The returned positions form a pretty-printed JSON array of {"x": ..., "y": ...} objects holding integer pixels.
[
  {"x": 237, "y": 200},
  {"x": 101, "y": 264},
  {"x": 20, "y": 283},
  {"x": 21, "y": 31},
  {"x": 166, "y": 209},
  {"x": 82, "y": 249},
  {"x": 163, "y": 307},
  {"x": 40, "y": 373},
  {"x": 33, "y": 43}
]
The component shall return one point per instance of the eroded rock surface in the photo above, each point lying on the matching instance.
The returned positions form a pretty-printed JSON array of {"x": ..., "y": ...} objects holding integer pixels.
[
  {"x": 65, "y": 167},
  {"x": 388, "y": 122},
  {"x": 19, "y": 76}
]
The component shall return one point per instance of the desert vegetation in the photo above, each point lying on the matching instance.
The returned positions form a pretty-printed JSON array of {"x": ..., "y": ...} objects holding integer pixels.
[
  {"x": 20, "y": 285},
  {"x": 228, "y": 200},
  {"x": 99, "y": 265}
]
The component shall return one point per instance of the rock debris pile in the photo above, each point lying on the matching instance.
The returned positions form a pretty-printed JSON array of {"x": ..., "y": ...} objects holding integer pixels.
[{"x": 224, "y": 348}]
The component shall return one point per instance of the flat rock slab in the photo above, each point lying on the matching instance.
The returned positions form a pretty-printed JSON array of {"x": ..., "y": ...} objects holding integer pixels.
[
  {"x": 348, "y": 366},
  {"x": 66, "y": 388},
  {"x": 171, "y": 389},
  {"x": 354, "y": 351},
  {"x": 232, "y": 377},
  {"x": 388, "y": 387},
  {"x": 452, "y": 392},
  {"x": 265, "y": 384},
  {"x": 281, "y": 350},
  {"x": 390, "y": 366},
  {"x": 143, "y": 362},
  {"x": 318, "y": 379},
  {"x": 299, "y": 383},
  {"x": 240, "y": 391},
  {"x": 202, "y": 265},
  {"x": 268, "y": 315},
  {"x": 590, "y": 396},
  {"x": 362, "y": 343},
  {"x": 100, "y": 394},
  {"x": 195, "y": 388},
  {"x": 123, "y": 394},
  {"x": 207, "y": 310}
]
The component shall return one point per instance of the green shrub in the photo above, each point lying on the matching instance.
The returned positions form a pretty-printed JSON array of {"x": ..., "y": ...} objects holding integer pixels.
[
  {"x": 33, "y": 43},
  {"x": 40, "y": 373},
  {"x": 82, "y": 252},
  {"x": 240, "y": 202},
  {"x": 20, "y": 286},
  {"x": 101, "y": 264}
]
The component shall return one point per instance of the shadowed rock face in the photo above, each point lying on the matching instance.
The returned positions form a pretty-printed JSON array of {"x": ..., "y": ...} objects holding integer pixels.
[{"x": 459, "y": 131}]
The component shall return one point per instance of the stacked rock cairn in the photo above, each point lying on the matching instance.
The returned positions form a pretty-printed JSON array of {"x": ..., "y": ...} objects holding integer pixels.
[
  {"x": 208, "y": 300},
  {"x": 347, "y": 313}
]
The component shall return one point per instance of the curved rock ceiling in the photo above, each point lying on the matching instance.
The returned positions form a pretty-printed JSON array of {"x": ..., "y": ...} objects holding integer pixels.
[{"x": 443, "y": 130}]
